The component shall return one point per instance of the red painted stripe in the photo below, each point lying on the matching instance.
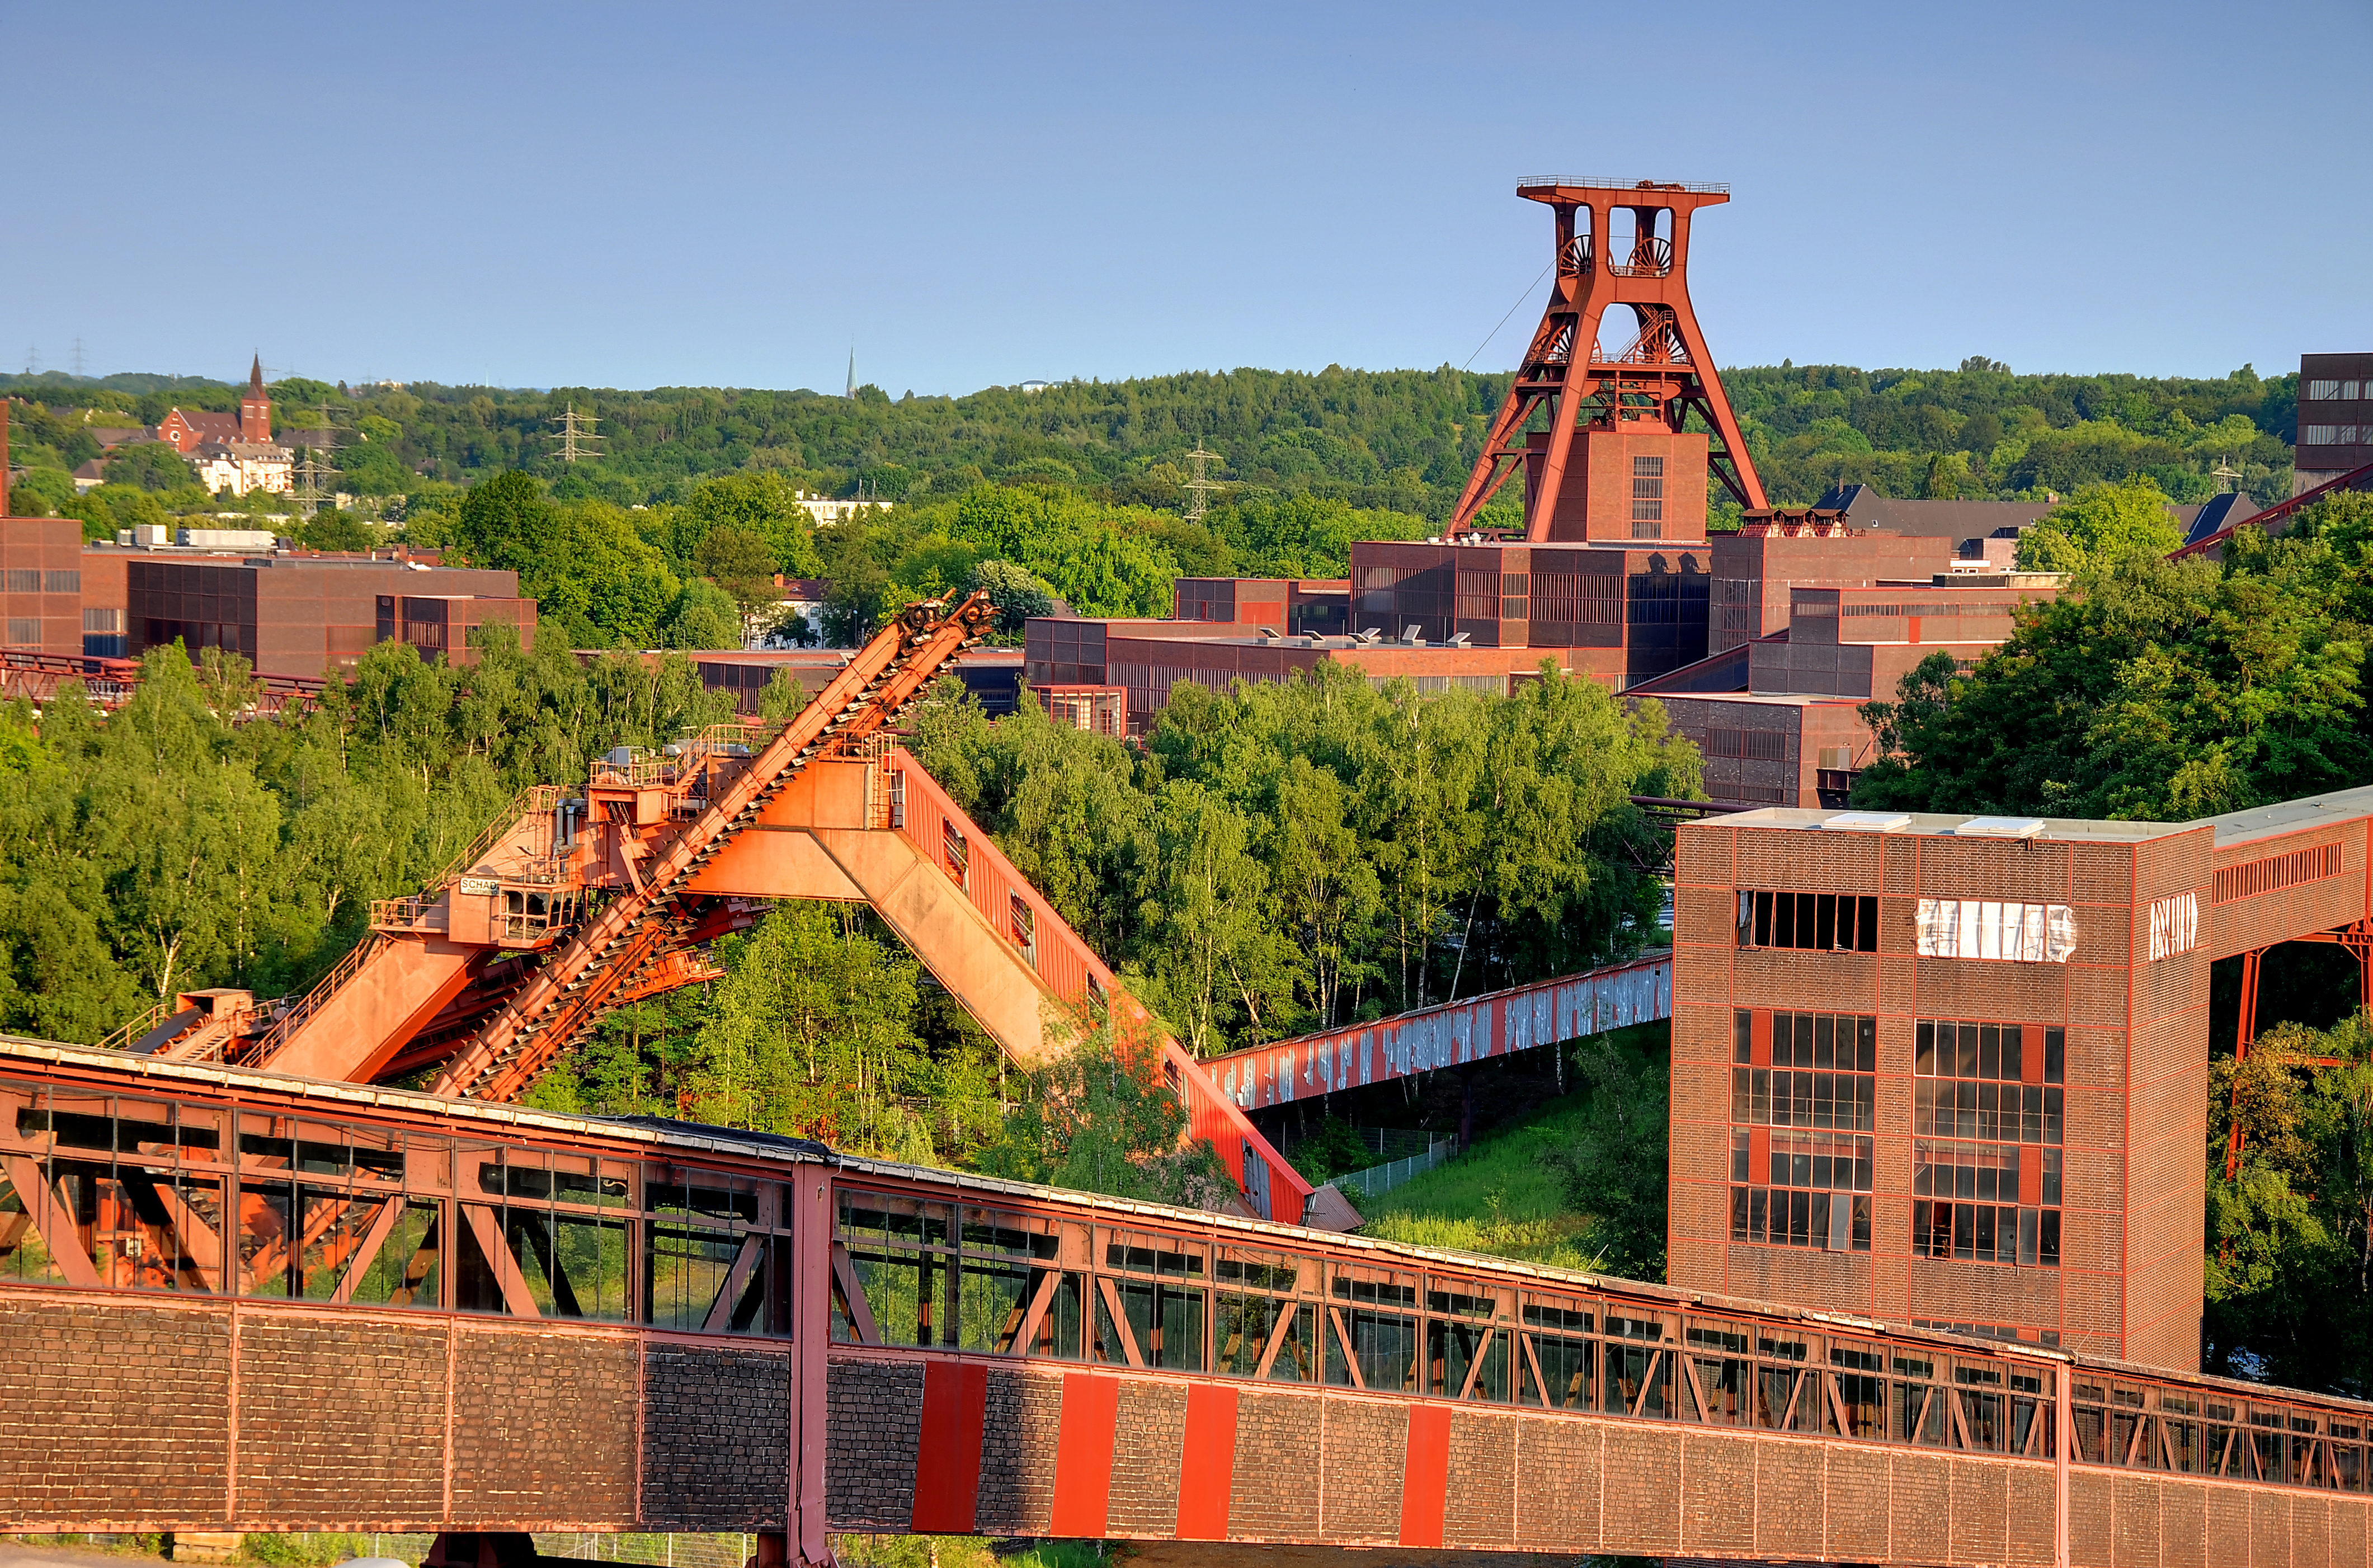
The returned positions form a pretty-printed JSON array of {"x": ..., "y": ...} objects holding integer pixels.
[
  {"x": 947, "y": 1468},
  {"x": 1207, "y": 1468},
  {"x": 1083, "y": 1455},
  {"x": 1425, "y": 1479}
]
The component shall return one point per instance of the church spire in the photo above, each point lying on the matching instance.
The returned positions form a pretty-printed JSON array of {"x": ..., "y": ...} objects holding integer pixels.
[{"x": 255, "y": 408}]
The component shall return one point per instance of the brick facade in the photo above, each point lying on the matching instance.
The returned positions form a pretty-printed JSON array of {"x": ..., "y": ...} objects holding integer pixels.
[{"x": 716, "y": 1437}]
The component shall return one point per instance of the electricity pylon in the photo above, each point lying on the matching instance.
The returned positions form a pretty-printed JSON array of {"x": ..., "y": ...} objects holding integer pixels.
[
  {"x": 577, "y": 437},
  {"x": 1200, "y": 486}
]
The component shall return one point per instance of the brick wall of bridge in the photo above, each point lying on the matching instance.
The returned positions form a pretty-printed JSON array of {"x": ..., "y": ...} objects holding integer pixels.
[
  {"x": 955, "y": 1446},
  {"x": 149, "y": 1414},
  {"x": 146, "y": 1414}
]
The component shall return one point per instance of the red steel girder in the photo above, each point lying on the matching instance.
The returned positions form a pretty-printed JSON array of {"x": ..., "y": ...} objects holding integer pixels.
[{"x": 611, "y": 951}]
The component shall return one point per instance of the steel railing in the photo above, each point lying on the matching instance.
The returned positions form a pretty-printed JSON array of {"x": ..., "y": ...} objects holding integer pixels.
[
  {"x": 1603, "y": 182},
  {"x": 122, "y": 1035}
]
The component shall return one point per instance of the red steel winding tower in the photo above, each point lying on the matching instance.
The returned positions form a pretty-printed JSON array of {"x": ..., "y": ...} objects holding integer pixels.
[{"x": 1630, "y": 406}]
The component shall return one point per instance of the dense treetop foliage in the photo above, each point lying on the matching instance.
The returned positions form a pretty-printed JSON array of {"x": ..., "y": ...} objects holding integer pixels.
[
  {"x": 1982, "y": 433},
  {"x": 2290, "y": 1234},
  {"x": 1290, "y": 856},
  {"x": 2154, "y": 690},
  {"x": 166, "y": 848},
  {"x": 1393, "y": 440}
]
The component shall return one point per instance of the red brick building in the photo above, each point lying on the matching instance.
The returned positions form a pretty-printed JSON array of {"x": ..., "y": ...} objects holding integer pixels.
[
  {"x": 1777, "y": 719},
  {"x": 1953, "y": 1070},
  {"x": 1762, "y": 749},
  {"x": 297, "y": 616},
  {"x": 1628, "y": 481},
  {"x": 40, "y": 584},
  {"x": 1295, "y": 606},
  {"x": 1861, "y": 643},
  {"x": 1143, "y": 660},
  {"x": 189, "y": 428},
  {"x": 1755, "y": 569},
  {"x": 1620, "y": 614}
]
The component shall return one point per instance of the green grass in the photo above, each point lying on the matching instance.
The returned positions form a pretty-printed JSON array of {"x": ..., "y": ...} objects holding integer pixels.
[{"x": 1497, "y": 1197}]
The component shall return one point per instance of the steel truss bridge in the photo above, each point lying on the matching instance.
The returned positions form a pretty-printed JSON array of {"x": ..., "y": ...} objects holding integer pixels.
[{"x": 238, "y": 1300}]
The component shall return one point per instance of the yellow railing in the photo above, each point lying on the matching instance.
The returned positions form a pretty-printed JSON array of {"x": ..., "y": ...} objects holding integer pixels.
[
  {"x": 542, "y": 797},
  {"x": 124, "y": 1035},
  {"x": 312, "y": 1000}
]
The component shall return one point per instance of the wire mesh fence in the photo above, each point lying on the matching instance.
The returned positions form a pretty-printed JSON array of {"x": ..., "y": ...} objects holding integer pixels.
[
  {"x": 652, "y": 1549},
  {"x": 1379, "y": 1179}
]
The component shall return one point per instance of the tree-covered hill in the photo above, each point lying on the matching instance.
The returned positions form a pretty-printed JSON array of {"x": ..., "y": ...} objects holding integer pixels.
[{"x": 1399, "y": 440}]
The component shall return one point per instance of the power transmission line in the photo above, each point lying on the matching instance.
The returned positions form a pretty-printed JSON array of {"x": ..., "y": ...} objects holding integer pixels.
[{"x": 1527, "y": 294}]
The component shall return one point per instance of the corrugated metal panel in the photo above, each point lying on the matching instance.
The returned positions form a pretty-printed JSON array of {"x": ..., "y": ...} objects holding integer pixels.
[{"x": 1547, "y": 1012}]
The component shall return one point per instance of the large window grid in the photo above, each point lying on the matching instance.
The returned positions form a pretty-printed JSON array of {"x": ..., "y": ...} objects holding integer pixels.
[
  {"x": 1820, "y": 922},
  {"x": 125, "y": 1193},
  {"x": 997, "y": 1279},
  {"x": 1987, "y": 1104},
  {"x": 1647, "y": 497},
  {"x": 1803, "y": 1105}
]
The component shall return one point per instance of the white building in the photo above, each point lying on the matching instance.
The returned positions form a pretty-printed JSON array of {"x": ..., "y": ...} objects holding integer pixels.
[
  {"x": 800, "y": 598},
  {"x": 241, "y": 466},
  {"x": 827, "y": 512}
]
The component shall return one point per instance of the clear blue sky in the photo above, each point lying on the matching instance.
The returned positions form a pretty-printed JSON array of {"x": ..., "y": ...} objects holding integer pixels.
[{"x": 640, "y": 195}]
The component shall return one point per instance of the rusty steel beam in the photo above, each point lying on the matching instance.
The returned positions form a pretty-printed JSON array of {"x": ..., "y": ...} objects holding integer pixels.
[{"x": 1545, "y": 1013}]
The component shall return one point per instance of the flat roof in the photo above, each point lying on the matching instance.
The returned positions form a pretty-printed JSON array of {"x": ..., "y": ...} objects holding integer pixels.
[
  {"x": 1763, "y": 699},
  {"x": 1946, "y": 824},
  {"x": 2291, "y": 817},
  {"x": 2337, "y": 808}
]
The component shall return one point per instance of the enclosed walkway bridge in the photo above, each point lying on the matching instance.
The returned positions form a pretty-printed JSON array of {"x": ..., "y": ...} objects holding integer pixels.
[{"x": 232, "y": 1299}]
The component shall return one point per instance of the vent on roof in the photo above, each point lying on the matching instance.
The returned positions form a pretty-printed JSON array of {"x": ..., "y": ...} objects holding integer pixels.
[
  {"x": 2000, "y": 827},
  {"x": 1867, "y": 822}
]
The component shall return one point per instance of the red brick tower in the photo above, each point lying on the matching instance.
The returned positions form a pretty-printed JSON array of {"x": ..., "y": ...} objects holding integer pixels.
[
  {"x": 255, "y": 409},
  {"x": 1642, "y": 475}
]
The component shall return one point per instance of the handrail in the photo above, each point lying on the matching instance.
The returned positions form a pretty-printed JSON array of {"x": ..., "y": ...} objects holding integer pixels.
[
  {"x": 534, "y": 798},
  {"x": 314, "y": 1001},
  {"x": 121, "y": 1036},
  {"x": 880, "y": 678},
  {"x": 1649, "y": 960},
  {"x": 1602, "y": 183}
]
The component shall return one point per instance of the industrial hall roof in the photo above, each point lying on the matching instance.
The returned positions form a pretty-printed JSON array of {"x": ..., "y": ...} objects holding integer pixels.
[{"x": 2337, "y": 807}]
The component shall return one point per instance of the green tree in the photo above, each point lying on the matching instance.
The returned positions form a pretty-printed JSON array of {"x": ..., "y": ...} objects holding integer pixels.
[
  {"x": 506, "y": 524},
  {"x": 152, "y": 465},
  {"x": 704, "y": 617},
  {"x": 1100, "y": 1119},
  {"x": 1018, "y": 595},
  {"x": 766, "y": 505},
  {"x": 809, "y": 1035},
  {"x": 330, "y": 529},
  {"x": 1615, "y": 1169},
  {"x": 2154, "y": 690},
  {"x": 739, "y": 561},
  {"x": 2289, "y": 1243},
  {"x": 2101, "y": 524},
  {"x": 1218, "y": 965}
]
